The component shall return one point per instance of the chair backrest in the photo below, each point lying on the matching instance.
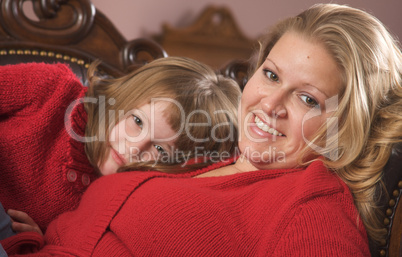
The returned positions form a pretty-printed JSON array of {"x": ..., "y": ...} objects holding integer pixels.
[
  {"x": 213, "y": 38},
  {"x": 71, "y": 31},
  {"x": 391, "y": 247}
]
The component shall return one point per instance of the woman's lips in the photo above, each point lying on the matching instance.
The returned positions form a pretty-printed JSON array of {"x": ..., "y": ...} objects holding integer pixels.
[{"x": 265, "y": 127}]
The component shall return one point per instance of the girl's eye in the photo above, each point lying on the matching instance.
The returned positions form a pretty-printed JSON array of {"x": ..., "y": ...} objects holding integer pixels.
[
  {"x": 137, "y": 121},
  {"x": 272, "y": 76},
  {"x": 311, "y": 102},
  {"x": 159, "y": 148}
]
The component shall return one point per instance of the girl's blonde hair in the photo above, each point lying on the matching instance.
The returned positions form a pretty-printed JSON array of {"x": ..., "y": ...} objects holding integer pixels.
[
  {"x": 202, "y": 110},
  {"x": 368, "y": 111}
]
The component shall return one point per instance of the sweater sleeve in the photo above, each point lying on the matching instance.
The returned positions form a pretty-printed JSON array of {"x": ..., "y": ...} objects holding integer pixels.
[
  {"x": 111, "y": 246},
  {"x": 322, "y": 229},
  {"x": 30, "y": 85}
]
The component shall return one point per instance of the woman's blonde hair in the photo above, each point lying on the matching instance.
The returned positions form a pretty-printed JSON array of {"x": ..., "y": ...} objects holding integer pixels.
[
  {"x": 202, "y": 110},
  {"x": 369, "y": 109}
]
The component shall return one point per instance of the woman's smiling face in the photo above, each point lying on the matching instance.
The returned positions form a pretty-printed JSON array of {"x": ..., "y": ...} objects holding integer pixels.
[{"x": 283, "y": 104}]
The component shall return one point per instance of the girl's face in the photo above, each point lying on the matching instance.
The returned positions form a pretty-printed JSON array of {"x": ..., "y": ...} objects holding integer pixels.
[
  {"x": 286, "y": 101},
  {"x": 143, "y": 134}
]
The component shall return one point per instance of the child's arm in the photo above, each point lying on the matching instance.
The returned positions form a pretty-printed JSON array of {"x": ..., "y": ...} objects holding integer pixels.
[
  {"x": 21, "y": 222},
  {"x": 5, "y": 225},
  {"x": 31, "y": 85}
]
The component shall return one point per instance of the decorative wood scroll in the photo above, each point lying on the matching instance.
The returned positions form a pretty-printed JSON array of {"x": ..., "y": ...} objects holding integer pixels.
[
  {"x": 60, "y": 22},
  {"x": 72, "y": 28},
  {"x": 214, "y": 38}
]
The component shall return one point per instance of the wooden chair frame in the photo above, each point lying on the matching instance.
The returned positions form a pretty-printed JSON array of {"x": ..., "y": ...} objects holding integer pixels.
[{"x": 72, "y": 30}]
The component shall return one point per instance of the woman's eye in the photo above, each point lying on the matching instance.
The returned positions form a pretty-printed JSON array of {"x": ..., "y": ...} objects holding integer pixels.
[
  {"x": 137, "y": 121},
  {"x": 311, "y": 102},
  {"x": 159, "y": 148},
  {"x": 272, "y": 76}
]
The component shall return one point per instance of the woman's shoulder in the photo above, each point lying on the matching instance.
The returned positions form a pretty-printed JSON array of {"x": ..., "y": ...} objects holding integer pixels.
[
  {"x": 317, "y": 177},
  {"x": 322, "y": 212}
]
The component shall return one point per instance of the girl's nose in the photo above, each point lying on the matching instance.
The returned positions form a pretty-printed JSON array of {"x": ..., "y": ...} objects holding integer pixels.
[{"x": 141, "y": 150}]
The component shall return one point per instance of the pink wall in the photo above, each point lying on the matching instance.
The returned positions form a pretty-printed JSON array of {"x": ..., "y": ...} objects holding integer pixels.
[{"x": 136, "y": 18}]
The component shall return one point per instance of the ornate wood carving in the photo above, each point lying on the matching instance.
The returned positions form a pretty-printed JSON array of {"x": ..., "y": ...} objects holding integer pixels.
[
  {"x": 72, "y": 28},
  {"x": 238, "y": 70},
  {"x": 141, "y": 51},
  {"x": 60, "y": 22},
  {"x": 214, "y": 38}
]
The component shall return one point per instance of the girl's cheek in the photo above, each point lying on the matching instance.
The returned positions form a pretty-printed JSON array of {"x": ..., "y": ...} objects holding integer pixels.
[{"x": 113, "y": 134}]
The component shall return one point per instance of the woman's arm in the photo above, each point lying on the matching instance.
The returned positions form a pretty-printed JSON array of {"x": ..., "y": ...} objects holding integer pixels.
[{"x": 322, "y": 228}]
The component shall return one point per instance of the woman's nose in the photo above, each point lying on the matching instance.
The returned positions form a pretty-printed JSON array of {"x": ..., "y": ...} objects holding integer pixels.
[{"x": 273, "y": 104}]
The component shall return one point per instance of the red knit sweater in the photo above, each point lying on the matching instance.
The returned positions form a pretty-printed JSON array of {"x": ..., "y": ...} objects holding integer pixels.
[
  {"x": 43, "y": 171},
  {"x": 298, "y": 212}
]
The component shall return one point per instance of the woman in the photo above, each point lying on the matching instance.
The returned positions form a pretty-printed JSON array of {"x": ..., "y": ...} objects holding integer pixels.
[
  {"x": 314, "y": 136},
  {"x": 53, "y": 147}
]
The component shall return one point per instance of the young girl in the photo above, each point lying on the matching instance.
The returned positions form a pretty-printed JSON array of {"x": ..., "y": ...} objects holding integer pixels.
[{"x": 57, "y": 137}]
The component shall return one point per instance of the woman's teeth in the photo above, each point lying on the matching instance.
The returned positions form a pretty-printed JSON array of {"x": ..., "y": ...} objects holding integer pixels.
[{"x": 264, "y": 127}]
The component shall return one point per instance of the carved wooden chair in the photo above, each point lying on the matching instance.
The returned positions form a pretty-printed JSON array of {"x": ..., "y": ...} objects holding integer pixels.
[
  {"x": 392, "y": 246},
  {"x": 69, "y": 31},
  {"x": 213, "y": 38}
]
